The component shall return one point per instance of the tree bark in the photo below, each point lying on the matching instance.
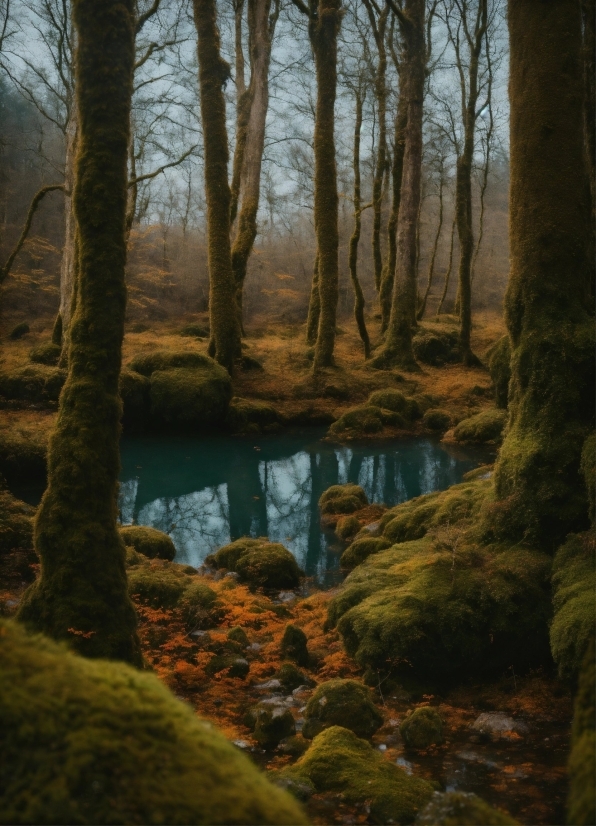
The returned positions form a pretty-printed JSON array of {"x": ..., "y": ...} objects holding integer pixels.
[
  {"x": 433, "y": 257},
  {"x": 354, "y": 240},
  {"x": 81, "y": 594},
  {"x": 67, "y": 265},
  {"x": 314, "y": 305},
  {"x": 537, "y": 479},
  {"x": 213, "y": 73}
]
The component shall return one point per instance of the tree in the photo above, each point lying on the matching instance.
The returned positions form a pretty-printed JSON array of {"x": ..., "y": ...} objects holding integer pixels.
[
  {"x": 81, "y": 594},
  {"x": 539, "y": 495}
]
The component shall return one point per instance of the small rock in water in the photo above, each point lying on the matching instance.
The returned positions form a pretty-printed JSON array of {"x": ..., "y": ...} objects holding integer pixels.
[{"x": 497, "y": 724}]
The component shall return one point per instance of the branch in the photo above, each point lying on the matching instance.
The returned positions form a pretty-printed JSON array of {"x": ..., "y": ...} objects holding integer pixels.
[
  {"x": 404, "y": 21},
  {"x": 32, "y": 209},
  {"x": 159, "y": 170},
  {"x": 148, "y": 14},
  {"x": 301, "y": 7}
]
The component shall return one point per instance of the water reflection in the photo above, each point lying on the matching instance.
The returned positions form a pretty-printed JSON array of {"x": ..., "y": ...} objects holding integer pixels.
[{"x": 205, "y": 492}]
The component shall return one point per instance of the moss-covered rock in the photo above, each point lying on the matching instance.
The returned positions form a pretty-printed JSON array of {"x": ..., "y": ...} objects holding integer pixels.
[
  {"x": 16, "y": 522},
  {"x": 574, "y": 584},
  {"x": 194, "y": 331},
  {"x": 358, "y": 421},
  {"x": 345, "y": 703},
  {"x": 291, "y": 677},
  {"x": 19, "y": 331},
  {"x": 397, "y": 402},
  {"x": 95, "y": 742},
  {"x": 232, "y": 664},
  {"x": 247, "y": 416},
  {"x": 385, "y": 408},
  {"x": 135, "y": 392},
  {"x": 338, "y": 761},
  {"x": 422, "y": 728},
  {"x": 436, "y": 345},
  {"x": 259, "y": 563},
  {"x": 23, "y": 456},
  {"x": 33, "y": 383},
  {"x": 461, "y": 809},
  {"x": 436, "y": 419},
  {"x": 361, "y": 549},
  {"x": 150, "y": 542},
  {"x": 294, "y": 645},
  {"x": 581, "y": 805},
  {"x": 347, "y": 527},
  {"x": 47, "y": 353},
  {"x": 149, "y": 363},
  {"x": 483, "y": 428},
  {"x": 238, "y": 634},
  {"x": 342, "y": 499},
  {"x": 190, "y": 398},
  {"x": 273, "y": 725},
  {"x": 500, "y": 370}
]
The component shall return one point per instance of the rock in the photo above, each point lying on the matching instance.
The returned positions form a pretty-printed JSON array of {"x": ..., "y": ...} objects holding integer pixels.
[
  {"x": 483, "y": 428},
  {"x": 293, "y": 645},
  {"x": 19, "y": 331},
  {"x": 363, "y": 421},
  {"x": 269, "y": 685},
  {"x": 273, "y": 725},
  {"x": 290, "y": 677},
  {"x": 302, "y": 789},
  {"x": 113, "y": 745},
  {"x": 259, "y": 563},
  {"x": 238, "y": 635},
  {"x": 347, "y": 527},
  {"x": 397, "y": 402},
  {"x": 149, "y": 363},
  {"x": 234, "y": 666},
  {"x": 37, "y": 383},
  {"x": 345, "y": 703},
  {"x": 436, "y": 345},
  {"x": 422, "y": 728},
  {"x": 496, "y": 724},
  {"x": 249, "y": 416},
  {"x": 341, "y": 499},
  {"x": 295, "y": 745},
  {"x": 361, "y": 549},
  {"x": 190, "y": 398},
  {"x": 150, "y": 542},
  {"x": 436, "y": 419},
  {"x": 47, "y": 353},
  {"x": 461, "y": 809},
  {"x": 339, "y": 762}
]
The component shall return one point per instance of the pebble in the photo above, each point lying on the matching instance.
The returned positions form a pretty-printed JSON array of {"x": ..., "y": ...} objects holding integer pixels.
[{"x": 496, "y": 723}]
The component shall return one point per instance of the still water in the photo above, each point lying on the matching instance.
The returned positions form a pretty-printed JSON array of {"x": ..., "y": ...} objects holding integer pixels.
[{"x": 205, "y": 492}]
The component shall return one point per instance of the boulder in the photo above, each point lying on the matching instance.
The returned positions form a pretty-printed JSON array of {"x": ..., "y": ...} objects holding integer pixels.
[
  {"x": 436, "y": 345},
  {"x": 23, "y": 455},
  {"x": 422, "y": 728},
  {"x": 273, "y": 725},
  {"x": 290, "y": 677},
  {"x": 436, "y": 419},
  {"x": 247, "y": 416},
  {"x": 195, "y": 331},
  {"x": 397, "y": 402},
  {"x": 496, "y": 724},
  {"x": 234, "y": 666},
  {"x": 135, "y": 392},
  {"x": 190, "y": 398},
  {"x": 238, "y": 635},
  {"x": 149, "y": 363},
  {"x": 361, "y": 549},
  {"x": 347, "y": 527},
  {"x": 35, "y": 383},
  {"x": 293, "y": 645},
  {"x": 150, "y": 542},
  {"x": 461, "y": 809},
  {"x": 342, "y": 499},
  {"x": 259, "y": 563},
  {"x": 483, "y": 428},
  {"x": 345, "y": 703}
]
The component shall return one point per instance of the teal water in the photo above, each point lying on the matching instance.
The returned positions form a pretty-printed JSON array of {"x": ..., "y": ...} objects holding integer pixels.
[{"x": 205, "y": 492}]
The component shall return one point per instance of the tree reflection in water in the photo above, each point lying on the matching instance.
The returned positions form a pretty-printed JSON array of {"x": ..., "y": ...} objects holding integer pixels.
[{"x": 206, "y": 491}]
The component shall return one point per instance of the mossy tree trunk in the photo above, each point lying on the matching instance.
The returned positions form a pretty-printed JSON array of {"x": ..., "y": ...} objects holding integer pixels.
[
  {"x": 314, "y": 305},
  {"x": 213, "y": 73},
  {"x": 539, "y": 493},
  {"x": 398, "y": 350},
  {"x": 355, "y": 238},
  {"x": 81, "y": 594},
  {"x": 435, "y": 247},
  {"x": 67, "y": 264}
]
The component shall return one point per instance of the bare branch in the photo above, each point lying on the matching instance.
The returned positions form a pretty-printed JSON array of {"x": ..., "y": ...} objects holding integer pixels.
[{"x": 159, "y": 170}]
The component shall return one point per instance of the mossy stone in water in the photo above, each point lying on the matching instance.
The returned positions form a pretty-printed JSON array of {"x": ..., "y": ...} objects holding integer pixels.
[
  {"x": 190, "y": 397},
  {"x": 294, "y": 646},
  {"x": 361, "y": 549},
  {"x": 500, "y": 370},
  {"x": 34, "y": 383},
  {"x": 258, "y": 562},
  {"x": 359, "y": 421},
  {"x": 396, "y": 402},
  {"x": 342, "y": 499},
  {"x": 484, "y": 427},
  {"x": 422, "y": 728},
  {"x": 461, "y": 809},
  {"x": 345, "y": 703},
  {"x": 338, "y": 761},
  {"x": 247, "y": 416},
  {"x": 150, "y": 542},
  {"x": 135, "y": 392},
  {"x": 47, "y": 353},
  {"x": 272, "y": 726},
  {"x": 581, "y": 804},
  {"x": 112, "y": 745},
  {"x": 436, "y": 419}
]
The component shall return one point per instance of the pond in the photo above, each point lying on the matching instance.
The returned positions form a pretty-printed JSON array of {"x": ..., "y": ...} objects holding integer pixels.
[{"x": 207, "y": 491}]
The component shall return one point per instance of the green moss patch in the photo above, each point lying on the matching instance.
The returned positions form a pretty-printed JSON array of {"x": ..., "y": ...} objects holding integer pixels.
[
  {"x": 23, "y": 456},
  {"x": 19, "y": 331},
  {"x": 33, "y": 383},
  {"x": 195, "y": 331},
  {"x": 361, "y": 549},
  {"x": 483, "y": 428},
  {"x": 247, "y": 416},
  {"x": 148, "y": 363},
  {"x": 499, "y": 364},
  {"x": 47, "y": 353},
  {"x": 16, "y": 523},
  {"x": 342, "y": 499},
  {"x": 259, "y": 563},
  {"x": 95, "y": 742},
  {"x": 422, "y": 728},
  {"x": 294, "y": 645},
  {"x": 461, "y": 809},
  {"x": 150, "y": 542},
  {"x": 436, "y": 419},
  {"x": 190, "y": 398},
  {"x": 338, "y": 761},
  {"x": 345, "y": 703},
  {"x": 384, "y": 408},
  {"x": 135, "y": 392},
  {"x": 581, "y": 805},
  {"x": 436, "y": 345}
]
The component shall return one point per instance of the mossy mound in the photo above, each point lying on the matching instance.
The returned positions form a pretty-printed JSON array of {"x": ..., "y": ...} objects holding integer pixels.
[
  {"x": 190, "y": 398},
  {"x": 259, "y": 563},
  {"x": 359, "y": 421},
  {"x": 23, "y": 456},
  {"x": 581, "y": 805},
  {"x": 339, "y": 761},
  {"x": 272, "y": 726},
  {"x": 499, "y": 364},
  {"x": 588, "y": 469},
  {"x": 574, "y": 584},
  {"x": 150, "y": 542},
  {"x": 397, "y": 402},
  {"x": 245, "y": 416},
  {"x": 16, "y": 523},
  {"x": 294, "y": 645},
  {"x": 436, "y": 345},
  {"x": 436, "y": 419},
  {"x": 416, "y": 517},
  {"x": 149, "y": 363},
  {"x": 47, "y": 353},
  {"x": 19, "y": 331},
  {"x": 194, "y": 331},
  {"x": 384, "y": 408},
  {"x": 238, "y": 634},
  {"x": 291, "y": 677},
  {"x": 232, "y": 664},
  {"x": 361, "y": 549},
  {"x": 95, "y": 742},
  {"x": 347, "y": 527},
  {"x": 34, "y": 383},
  {"x": 461, "y": 809},
  {"x": 345, "y": 703},
  {"x": 135, "y": 392},
  {"x": 483, "y": 428},
  {"x": 422, "y": 728},
  {"x": 166, "y": 585},
  {"x": 342, "y": 499}
]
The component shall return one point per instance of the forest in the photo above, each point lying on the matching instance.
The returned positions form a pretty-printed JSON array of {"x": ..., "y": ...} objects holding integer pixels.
[{"x": 297, "y": 412}]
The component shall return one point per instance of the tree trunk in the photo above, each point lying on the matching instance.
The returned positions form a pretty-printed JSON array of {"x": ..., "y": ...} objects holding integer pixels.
[
  {"x": 67, "y": 265},
  {"x": 323, "y": 31},
  {"x": 81, "y": 594},
  {"x": 354, "y": 240},
  {"x": 314, "y": 305},
  {"x": 537, "y": 480},
  {"x": 449, "y": 267},
  {"x": 433, "y": 257},
  {"x": 213, "y": 73},
  {"x": 398, "y": 350}
]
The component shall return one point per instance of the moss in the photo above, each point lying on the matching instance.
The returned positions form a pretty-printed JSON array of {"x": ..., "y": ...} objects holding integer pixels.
[
  {"x": 422, "y": 728},
  {"x": 246, "y": 416},
  {"x": 361, "y": 549},
  {"x": 148, "y": 363},
  {"x": 436, "y": 346},
  {"x": 293, "y": 645},
  {"x": 19, "y": 331},
  {"x": 581, "y": 804},
  {"x": 237, "y": 634},
  {"x": 385, "y": 408},
  {"x": 291, "y": 677},
  {"x": 273, "y": 725},
  {"x": 345, "y": 703},
  {"x": 365, "y": 419},
  {"x": 295, "y": 746},
  {"x": 461, "y": 809},
  {"x": 574, "y": 582},
  {"x": 190, "y": 398},
  {"x": 500, "y": 370},
  {"x": 135, "y": 392},
  {"x": 194, "y": 331},
  {"x": 588, "y": 468},
  {"x": 149, "y": 542},
  {"x": 347, "y": 527},
  {"x": 57, "y": 330},
  {"x": 23, "y": 456},
  {"x": 436, "y": 419},
  {"x": 260, "y": 563},
  {"x": 16, "y": 523},
  {"x": 48, "y": 353},
  {"x": 98, "y": 742},
  {"x": 233, "y": 665},
  {"x": 484, "y": 427},
  {"x": 32, "y": 384},
  {"x": 338, "y": 761},
  {"x": 342, "y": 499}
]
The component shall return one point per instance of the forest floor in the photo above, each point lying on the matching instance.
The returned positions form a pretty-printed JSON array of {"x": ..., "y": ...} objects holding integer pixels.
[{"x": 522, "y": 771}]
